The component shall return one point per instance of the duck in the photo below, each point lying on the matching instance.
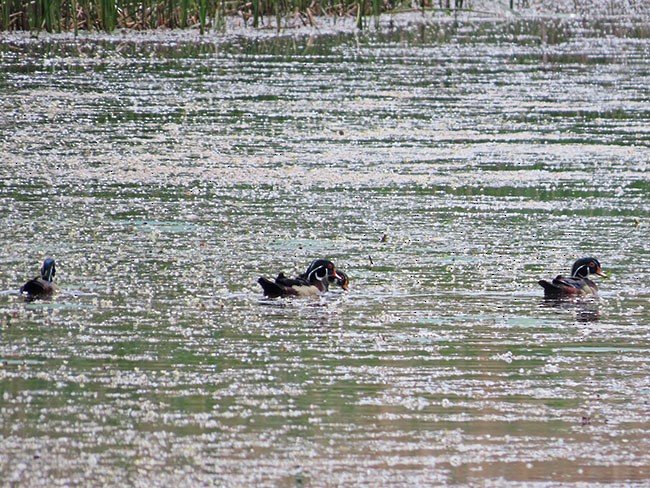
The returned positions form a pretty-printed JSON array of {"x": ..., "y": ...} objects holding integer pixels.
[
  {"x": 41, "y": 286},
  {"x": 311, "y": 283},
  {"x": 338, "y": 277},
  {"x": 578, "y": 284},
  {"x": 341, "y": 280}
]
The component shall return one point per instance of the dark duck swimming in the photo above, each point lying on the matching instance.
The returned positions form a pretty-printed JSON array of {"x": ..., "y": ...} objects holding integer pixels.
[
  {"x": 576, "y": 285},
  {"x": 316, "y": 280},
  {"x": 41, "y": 286}
]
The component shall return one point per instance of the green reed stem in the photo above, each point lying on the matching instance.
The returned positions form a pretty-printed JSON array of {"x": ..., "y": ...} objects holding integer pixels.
[
  {"x": 277, "y": 10},
  {"x": 73, "y": 15},
  {"x": 256, "y": 13},
  {"x": 184, "y": 6},
  {"x": 108, "y": 14},
  {"x": 361, "y": 5},
  {"x": 220, "y": 14},
  {"x": 51, "y": 9},
  {"x": 376, "y": 11},
  {"x": 4, "y": 16},
  {"x": 203, "y": 14}
]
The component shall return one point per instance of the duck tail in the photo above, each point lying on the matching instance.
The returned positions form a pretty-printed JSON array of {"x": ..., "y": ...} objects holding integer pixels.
[
  {"x": 551, "y": 290},
  {"x": 272, "y": 290}
]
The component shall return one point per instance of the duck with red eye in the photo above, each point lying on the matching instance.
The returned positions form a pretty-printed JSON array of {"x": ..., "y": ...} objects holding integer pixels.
[
  {"x": 311, "y": 283},
  {"x": 576, "y": 285},
  {"x": 337, "y": 276}
]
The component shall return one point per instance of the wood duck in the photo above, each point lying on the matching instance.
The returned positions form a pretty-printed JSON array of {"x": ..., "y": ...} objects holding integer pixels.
[
  {"x": 578, "y": 284},
  {"x": 42, "y": 286},
  {"x": 311, "y": 283}
]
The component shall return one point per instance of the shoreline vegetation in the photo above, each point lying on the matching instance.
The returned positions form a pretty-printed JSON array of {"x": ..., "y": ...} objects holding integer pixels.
[
  {"x": 57, "y": 16},
  {"x": 108, "y": 15}
]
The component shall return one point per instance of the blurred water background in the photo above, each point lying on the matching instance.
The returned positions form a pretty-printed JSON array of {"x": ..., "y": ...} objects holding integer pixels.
[{"x": 445, "y": 167}]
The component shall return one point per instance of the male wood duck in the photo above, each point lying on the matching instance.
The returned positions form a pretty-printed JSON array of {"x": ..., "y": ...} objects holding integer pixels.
[
  {"x": 42, "y": 286},
  {"x": 578, "y": 284},
  {"x": 311, "y": 283}
]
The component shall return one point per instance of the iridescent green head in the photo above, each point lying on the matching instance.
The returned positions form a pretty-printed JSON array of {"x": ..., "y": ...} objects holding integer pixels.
[
  {"x": 585, "y": 266},
  {"x": 48, "y": 270}
]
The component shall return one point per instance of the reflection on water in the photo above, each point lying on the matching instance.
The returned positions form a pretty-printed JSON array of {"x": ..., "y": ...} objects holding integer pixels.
[
  {"x": 585, "y": 309},
  {"x": 446, "y": 170}
]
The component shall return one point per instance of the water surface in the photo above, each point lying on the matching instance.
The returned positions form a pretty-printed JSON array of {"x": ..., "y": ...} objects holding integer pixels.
[{"x": 445, "y": 168}]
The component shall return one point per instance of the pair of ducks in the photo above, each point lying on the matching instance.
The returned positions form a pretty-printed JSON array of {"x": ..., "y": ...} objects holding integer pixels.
[
  {"x": 316, "y": 280},
  {"x": 321, "y": 273}
]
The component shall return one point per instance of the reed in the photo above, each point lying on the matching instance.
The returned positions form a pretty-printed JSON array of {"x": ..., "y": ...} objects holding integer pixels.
[
  {"x": 50, "y": 18},
  {"x": 107, "y": 15},
  {"x": 361, "y": 6},
  {"x": 203, "y": 15},
  {"x": 220, "y": 15}
]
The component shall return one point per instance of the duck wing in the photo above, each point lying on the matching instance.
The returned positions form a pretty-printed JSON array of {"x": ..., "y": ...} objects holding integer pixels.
[
  {"x": 282, "y": 280},
  {"x": 563, "y": 286},
  {"x": 287, "y": 287},
  {"x": 272, "y": 289}
]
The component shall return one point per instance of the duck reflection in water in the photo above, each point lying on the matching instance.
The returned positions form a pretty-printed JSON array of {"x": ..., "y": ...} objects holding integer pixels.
[{"x": 585, "y": 310}]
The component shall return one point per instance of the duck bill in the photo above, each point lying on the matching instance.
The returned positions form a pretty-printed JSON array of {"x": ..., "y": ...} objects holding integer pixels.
[{"x": 600, "y": 273}]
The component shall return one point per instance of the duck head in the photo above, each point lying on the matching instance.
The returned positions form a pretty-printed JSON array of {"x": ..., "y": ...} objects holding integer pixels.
[
  {"x": 585, "y": 266},
  {"x": 322, "y": 271},
  {"x": 343, "y": 281},
  {"x": 48, "y": 270}
]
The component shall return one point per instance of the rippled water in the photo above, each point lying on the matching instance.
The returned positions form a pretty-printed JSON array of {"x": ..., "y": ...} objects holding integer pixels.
[{"x": 446, "y": 169}]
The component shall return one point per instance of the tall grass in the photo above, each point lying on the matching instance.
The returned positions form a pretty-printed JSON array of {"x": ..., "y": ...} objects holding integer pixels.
[{"x": 107, "y": 15}]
